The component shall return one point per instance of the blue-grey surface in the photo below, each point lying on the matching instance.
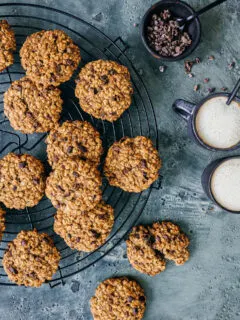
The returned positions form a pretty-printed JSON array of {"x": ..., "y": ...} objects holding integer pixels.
[{"x": 208, "y": 286}]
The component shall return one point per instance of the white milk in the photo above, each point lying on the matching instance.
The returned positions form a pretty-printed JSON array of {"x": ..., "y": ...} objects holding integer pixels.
[
  {"x": 217, "y": 124},
  {"x": 225, "y": 184}
]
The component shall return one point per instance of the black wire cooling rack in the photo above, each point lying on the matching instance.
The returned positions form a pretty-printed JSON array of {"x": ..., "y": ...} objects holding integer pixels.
[{"x": 138, "y": 120}]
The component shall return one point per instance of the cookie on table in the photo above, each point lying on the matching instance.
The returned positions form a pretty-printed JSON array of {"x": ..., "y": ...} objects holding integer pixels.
[
  {"x": 49, "y": 57},
  {"x": 74, "y": 138},
  {"x": 30, "y": 108},
  {"x": 104, "y": 89},
  {"x": 22, "y": 181},
  {"x": 87, "y": 230},
  {"x": 31, "y": 259},
  {"x": 170, "y": 241},
  {"x": 141, "y": 254},
  {"x": 74, "y": 185},
  {"x": 7, "y": 45},
  {"x": 118, "y": 299},
  {"x": 132, "y": 164},
  {"x": 2, "y": 222}
]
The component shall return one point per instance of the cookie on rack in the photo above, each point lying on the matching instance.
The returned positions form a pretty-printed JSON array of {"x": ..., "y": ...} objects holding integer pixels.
[
  {"x": 104, "y": 89},
  {"x": 32, "y": 108},
  {"x": 31, "y": 259},
  {"x": 118, "y": 298},
  {"x": 49, "y": 57},
  {"x": 7, "y": 45},
  {"x": 74, "y": 138},
  {"x": 74, "y": 185},
  {"x": 132, "y": 164},
  {"x": 170, "y": 241},
  {"x": 141, "y": 254},
  {"x": 2, "y": 222},
  {"x": 87, "y": 230},
  {"x": 22, "y": 181}
]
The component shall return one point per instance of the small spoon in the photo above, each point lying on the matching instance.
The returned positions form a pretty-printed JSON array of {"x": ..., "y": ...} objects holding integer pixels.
[
  {"x": 232, "y": 95},
  {"x": 183, "y": 21}
]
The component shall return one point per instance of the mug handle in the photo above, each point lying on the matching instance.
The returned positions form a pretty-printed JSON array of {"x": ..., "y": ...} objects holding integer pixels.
[{"x": 183, "y": 108}]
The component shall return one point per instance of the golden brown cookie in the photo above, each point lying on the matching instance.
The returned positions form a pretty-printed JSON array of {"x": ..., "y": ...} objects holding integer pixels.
[
  {"x": 7, "y": 45},
  {"x": 132, "y": 164},
  {"x": 171, "y": 241},
  {"x": 30, "y": 108},
  {"x": 2, "y": 222},
  {"x": 22, "y": 181},
  {"x": 118, "y": 299},
  {"x": 31, "y": 259},
  {"x": 49, "y": 57},
  {"x": 104, "y": 89},
  {"x": 87, "y": 230},
  {"x": 74, "y": 138},
  {"x": 74, "y": 185},
  {"x": 141, "y": 254}
]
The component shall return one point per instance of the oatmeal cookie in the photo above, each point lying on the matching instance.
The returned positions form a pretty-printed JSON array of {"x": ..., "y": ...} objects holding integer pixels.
[
  {"x": 31, "y": 259},
  {"x": 118, "y": 299},
  {"x": 132, "y": 164},
  {"x": 87, "y": 230},
  {"x": 170, "y": 241},
  {"x": 104, "y": 89},
  {"x": 7, "y": 45},
  {"x": 30, "y": 108},
  {"x": 49, "y": 57},
  {"x": 141, "y": 254},
  {"x": 2, "y": 222},
  {"x": 74, "y": 185},
  {"x": 22, "y": 181},
  {"x": 74, "y": 138}
]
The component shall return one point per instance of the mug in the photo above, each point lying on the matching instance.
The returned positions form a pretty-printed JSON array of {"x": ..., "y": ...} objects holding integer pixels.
[
  {"x": 188, "y": 111},
  {"x": 207, "y": 177}
]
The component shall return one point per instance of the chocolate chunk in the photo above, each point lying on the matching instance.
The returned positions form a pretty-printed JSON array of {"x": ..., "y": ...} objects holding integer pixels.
[
  {"x": 60, "y": 188},
  {"x": 142, "y": 298},
  {"x": 36, "y": 180},
  {"x": 130, "y": 299},
  {"x": 78, "y": 239},
  {"x": 145, "y": 175},
  {"x": 143, "y": 163},
  {"x": 81, "y": 147},
  {"x": 45, "y": 239},
  {"x": 112, "y": 71},
  {"x": 95, "y": 91},
  {"x": 135, "y": 311},
  {"x": 70, "y": 62},
  {"x": 23, "y": 242},
  {"x": 75, "y": 174},
  {"x": 22, "y": 164},
  {"x": 69, "y": 149},
  {"x": 104, "y": 79},
  {"x": 95, "y": 234},
  {"x": 12, "y": 270},
  {"x": 14, "y": 188}
]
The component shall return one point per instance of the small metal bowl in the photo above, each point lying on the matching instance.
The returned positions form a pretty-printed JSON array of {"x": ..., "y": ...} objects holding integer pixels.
[{"x": 178, "y": 9}]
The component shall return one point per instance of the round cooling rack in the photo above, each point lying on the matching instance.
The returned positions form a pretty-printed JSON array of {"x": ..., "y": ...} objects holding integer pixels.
[{"x": 138, "y": 120}]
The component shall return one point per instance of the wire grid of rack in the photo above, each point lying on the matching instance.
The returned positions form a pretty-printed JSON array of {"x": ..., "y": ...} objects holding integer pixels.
[{"x": 138, "y": 120}]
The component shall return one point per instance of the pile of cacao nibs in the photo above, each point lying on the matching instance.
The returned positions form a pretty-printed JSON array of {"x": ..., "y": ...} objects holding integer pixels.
[{"x": 165, "y": 37}]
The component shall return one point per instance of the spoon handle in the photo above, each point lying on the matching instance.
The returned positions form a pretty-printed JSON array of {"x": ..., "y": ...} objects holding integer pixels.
[
  {"x": 208, "y": 7},
  {"x": 233, "y": 93}
]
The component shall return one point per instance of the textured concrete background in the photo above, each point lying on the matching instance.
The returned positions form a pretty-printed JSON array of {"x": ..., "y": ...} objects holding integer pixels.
[{"x": 207, "y": 287}]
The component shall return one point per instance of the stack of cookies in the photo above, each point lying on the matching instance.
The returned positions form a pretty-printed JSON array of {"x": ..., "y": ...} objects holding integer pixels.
[{"x": 33, "y": 104}]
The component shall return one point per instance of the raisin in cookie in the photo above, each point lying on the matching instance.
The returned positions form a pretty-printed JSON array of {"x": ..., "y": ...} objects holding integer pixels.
[
  {"x": 141, "y": 254},
  {"x": 170, "y": 241},
  {"x": 104, "y": 89},
  {"x": 87, "y": 230},
  {"x": 2, "y": 222},
  {"x": 74, "y": 185},
  {"x": 132, "y": 164},
  {"x": 31, "y": 259},
  {"x": 49, "y": 57},
  {"x": 74, "y": 138},
  {"x": 30, "y": 108},
  {"x": 118, "y": 299},
  {"x": 22, "y": 181},
  {"x": 7, "y": 45}
]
